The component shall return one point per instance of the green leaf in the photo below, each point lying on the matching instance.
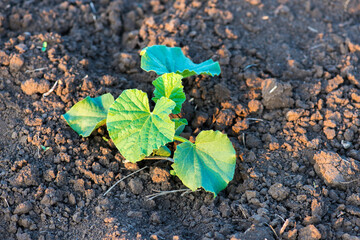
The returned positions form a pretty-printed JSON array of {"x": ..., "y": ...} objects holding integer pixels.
[
  {"x": 209, "y": 163},
  {"x": 89, "y": 114},
  {"x": 136, "y": 131},
  {"x": 162, "y": 59},
  {"x": 169, "y": 85},
  {"x": 163, "y": 151},
  {"x": 180, "y": 124}
]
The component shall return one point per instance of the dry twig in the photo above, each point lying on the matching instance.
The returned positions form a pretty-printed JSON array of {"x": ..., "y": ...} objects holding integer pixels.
[
  {"x": 123, "y": 180},
  {"x": 36, "y": 70},
  {"x": 161, "y": 193},
  {"x": 51, "y": 90}
]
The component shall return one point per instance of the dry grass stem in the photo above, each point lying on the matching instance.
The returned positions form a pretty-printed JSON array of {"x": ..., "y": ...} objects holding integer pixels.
[{"x": 122, "y": 179}]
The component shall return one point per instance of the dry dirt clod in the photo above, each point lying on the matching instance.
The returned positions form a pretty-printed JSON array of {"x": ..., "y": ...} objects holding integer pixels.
[
  {"x": 32, "y": 86},
  {"x": 335, "y": 170},
  {"x": 278, "y": 191},
  {"x": 276, "y": 94},
  {"x": 136, "y": 186},
  {"x": 16, "y": 62},
  {"x": 24, "y": 207},
  {"x": 309, "y": 233}
]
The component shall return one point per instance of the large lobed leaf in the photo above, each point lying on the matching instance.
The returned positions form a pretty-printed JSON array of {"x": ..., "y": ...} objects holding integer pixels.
[
  {"x": 136, "y": 131},
  {"x": 169, "y": 85},
  {"x": 89, "y": 114},
  {"x": 209, "y": 163},
  {"x": 162, "y": 59}
]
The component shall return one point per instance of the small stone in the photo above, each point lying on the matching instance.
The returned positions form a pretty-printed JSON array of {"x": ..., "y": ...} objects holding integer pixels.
[
  {"x": 278, "y": 191},
  {"x": 309, "y": 233},
  {"x": 136, "y": 186},
  {"x": 24, "y": 207}
]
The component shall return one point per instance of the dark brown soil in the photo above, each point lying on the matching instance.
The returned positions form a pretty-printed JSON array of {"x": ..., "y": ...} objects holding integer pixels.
[{"x": 288, "y": 97}]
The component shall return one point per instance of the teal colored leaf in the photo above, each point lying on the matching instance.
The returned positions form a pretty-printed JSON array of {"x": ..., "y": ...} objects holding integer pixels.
[
  {"x": 136, "y": 131},
  {"x": 180, "y": 124},
  {"x": 163, "y": 151},
  {"x": 208, "y": 163},
  {"x": 162, "y": 59},
  {"x": 89, "y": 114},
  {"x": 169, "y": 85}
]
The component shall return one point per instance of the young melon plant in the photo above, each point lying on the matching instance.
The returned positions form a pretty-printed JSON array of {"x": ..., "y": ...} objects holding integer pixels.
[{"x": 138, "y": 132}]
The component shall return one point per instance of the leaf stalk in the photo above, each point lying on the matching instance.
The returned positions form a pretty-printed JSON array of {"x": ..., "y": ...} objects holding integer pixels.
[{"x": 180, "y": 139}]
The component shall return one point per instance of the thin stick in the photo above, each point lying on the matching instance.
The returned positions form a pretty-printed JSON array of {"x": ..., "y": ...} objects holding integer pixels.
[
  {"x": 51, "y": 90},
  {"x": 7, "y": 203},
  {"x": 36, "y": 70},
  {"x": 243, "y": 139},
  {"x": 255, "y": 119},
  {"x": 159, "y": 158},
  {"x": 282, "y": 230},
  {"x": 277, "y": 237},
  {"x": 155, "y": 195},
  {"x": 123, "y": 180},
  {"x": 249, "y": 66},
  {"x": 280, "y": 217},
  {"x": 355, "y": 180}
]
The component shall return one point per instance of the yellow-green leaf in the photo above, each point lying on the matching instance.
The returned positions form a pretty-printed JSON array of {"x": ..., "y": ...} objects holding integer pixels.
[
  {"x": 89, "y": 114},
  {"x": 208, "y": 163},
  {"x": 136, "y": 131}
]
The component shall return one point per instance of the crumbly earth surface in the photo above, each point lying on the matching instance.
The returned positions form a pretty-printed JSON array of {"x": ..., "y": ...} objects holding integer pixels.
[{"x": 288, "y": 98}]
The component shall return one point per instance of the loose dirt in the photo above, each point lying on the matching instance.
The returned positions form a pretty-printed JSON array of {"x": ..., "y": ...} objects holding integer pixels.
[{"x": 288, "y": 98}]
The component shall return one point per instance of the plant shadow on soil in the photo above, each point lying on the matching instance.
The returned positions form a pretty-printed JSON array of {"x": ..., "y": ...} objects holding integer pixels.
[{"x": 288, "y": 97}]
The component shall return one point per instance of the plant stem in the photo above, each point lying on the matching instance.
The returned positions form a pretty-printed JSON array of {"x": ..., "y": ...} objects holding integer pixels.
[{"x": 180, "y": 139}]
